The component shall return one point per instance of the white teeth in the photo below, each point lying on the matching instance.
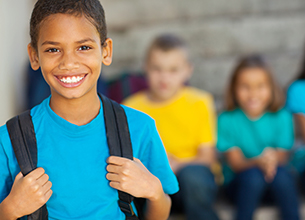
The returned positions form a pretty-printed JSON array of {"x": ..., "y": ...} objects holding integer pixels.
[{"x": 74, "y": 79}]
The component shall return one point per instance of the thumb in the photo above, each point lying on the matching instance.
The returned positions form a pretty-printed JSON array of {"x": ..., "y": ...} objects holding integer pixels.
[
  {"x": 19, "y": 176},
  {"x": 137, "y": 161}
]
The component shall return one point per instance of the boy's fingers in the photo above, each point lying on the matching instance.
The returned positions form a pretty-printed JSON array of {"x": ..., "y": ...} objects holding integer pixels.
[
  {"x": 115, "y": 185},
  {"x": 46, "y": 187},
  {"x": 43, "y": 179},
  {"x": 116, "y": 160},
  {"x": 37, "y": 173},
  {"x": 48, "y": 194},
  {"x": 113, "y": 168},
  {"x": 112, "y": 177}
]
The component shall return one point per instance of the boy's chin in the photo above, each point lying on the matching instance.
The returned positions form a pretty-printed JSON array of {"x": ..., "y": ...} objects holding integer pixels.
[
  {"x": 69, "y": 95},
  {"x": 164, "y": 96}
]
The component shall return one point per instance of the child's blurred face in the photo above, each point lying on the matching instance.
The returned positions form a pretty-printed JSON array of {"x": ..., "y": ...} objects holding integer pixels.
[
  {"x": 253, "y": 91},
  {"x": 167, "y": 71},
  {"x": 70, "y": 55}
]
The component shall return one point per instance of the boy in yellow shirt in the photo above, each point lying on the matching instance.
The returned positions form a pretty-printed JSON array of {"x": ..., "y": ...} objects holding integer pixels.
[{"x": 185, "y": 120}]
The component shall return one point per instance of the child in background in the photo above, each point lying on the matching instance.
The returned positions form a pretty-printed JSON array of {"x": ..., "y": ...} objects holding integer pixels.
[
  {"x": 296, "y": 105},
  {"x": 296, "y": 99},
  {"x": 185, "y": 120},
  {"x": 76, "y": 177},
  {"x": 256, "y": 135}
]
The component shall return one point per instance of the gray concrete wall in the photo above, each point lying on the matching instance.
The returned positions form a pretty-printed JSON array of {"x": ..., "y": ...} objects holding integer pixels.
[
  {"x": 14, "y": 16},
  {"x": 218, "y": 32}
]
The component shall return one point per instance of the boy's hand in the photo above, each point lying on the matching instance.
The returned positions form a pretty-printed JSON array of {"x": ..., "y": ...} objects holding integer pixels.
[
  {"x": 29, "y": 193},
  {"x": 132, "y": 177}
]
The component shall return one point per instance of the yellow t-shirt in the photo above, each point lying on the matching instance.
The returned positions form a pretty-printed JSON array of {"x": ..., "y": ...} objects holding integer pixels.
[{"x": 184, "y": 122}]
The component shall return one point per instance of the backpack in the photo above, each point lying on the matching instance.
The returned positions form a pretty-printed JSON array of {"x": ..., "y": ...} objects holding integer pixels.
[{"x": 22, "y": 135}]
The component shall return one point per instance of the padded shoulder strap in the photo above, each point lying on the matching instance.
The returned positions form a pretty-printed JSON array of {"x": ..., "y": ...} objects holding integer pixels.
[
  {"x": 119, "y": 144},
  {"x": 22, "y": 135}
]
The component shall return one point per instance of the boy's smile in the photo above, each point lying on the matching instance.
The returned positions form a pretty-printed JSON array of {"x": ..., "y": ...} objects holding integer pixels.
[{"x": 70, "y": 54}]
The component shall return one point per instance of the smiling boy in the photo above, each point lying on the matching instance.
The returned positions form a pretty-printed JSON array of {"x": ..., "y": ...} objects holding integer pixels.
[{"x": 75, "y": 177}]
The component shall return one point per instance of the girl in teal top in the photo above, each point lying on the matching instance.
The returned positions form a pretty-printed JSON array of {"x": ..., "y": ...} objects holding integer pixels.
[{"x": 255, "y": 135}]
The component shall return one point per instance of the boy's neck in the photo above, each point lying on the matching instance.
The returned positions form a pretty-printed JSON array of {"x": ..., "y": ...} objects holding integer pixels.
[
  {"x": 157, "y": 99},
  {"x": 76, "y": 111}
]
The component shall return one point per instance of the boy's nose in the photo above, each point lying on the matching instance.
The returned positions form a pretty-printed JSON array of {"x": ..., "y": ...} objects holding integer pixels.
[{"x": 68, "y": 62}]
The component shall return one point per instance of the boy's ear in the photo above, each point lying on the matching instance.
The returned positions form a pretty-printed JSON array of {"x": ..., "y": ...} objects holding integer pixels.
[
  {"x": 107, "y": 52},
  {"x": 190, "y": 71},
  {"x": 33, "y": 55}
]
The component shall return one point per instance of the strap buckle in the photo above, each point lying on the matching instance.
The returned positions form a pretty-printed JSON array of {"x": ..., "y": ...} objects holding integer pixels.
[{"x": 126, "y": 208}]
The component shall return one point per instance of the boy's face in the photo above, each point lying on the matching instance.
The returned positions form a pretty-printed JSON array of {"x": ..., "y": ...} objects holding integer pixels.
[
  {"x": 167, "y": 71},
  {"x": 70, "y": 55}
]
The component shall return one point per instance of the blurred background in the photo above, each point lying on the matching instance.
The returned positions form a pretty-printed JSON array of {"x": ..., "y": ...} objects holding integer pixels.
[{"x": 218, "y": 32}]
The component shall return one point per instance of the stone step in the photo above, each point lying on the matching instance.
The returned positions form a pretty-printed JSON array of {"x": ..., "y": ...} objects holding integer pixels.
[{"x": 226, "y": 212}]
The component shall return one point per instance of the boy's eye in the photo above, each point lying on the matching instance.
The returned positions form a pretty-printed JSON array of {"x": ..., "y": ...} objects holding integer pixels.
[
  {"x": 52, "y": 50},
  {"x": 84, "y": 48}
]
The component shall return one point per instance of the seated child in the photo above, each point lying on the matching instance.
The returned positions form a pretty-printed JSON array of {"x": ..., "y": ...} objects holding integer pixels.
[
  {"x": 256, "y": 135},
  {"x": 185, "y": 120},
  {"x": 75, "y": 177},
  {"x": 296, "y": 105}
]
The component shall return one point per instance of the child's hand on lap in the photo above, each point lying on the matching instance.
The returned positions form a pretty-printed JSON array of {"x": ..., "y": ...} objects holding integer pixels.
[
  {"x": 268, "y": 163},
  {"x": 29, "y": 193},
  {"x": 132, "y": 177}
]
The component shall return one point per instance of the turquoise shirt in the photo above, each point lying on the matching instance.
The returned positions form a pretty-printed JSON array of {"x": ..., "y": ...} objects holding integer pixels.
[
  {"x": 75, "y": 159},
  {"x": 252, "y": 136}
]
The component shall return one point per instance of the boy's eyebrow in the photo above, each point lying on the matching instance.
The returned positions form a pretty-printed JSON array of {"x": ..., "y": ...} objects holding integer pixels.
[
  {"x": 78, "y": 42},
  {"x": 85, "y": 40},
  {"x": 49, "y": 42}
]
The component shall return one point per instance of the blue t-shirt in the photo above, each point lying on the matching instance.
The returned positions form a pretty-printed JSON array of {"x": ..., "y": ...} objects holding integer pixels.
[
  {"x": 74, "y": 157},
  {"x": 235, "y": 129},
  {"x": 295, "y": 97}
]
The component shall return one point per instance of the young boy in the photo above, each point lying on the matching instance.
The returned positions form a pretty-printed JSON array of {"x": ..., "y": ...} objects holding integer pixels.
[
  {"x": 75, "y": 177},
  {"x": 185, "y": 119}
]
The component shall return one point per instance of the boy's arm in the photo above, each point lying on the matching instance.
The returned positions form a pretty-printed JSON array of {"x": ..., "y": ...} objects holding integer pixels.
[
  {"x": 132, "y": 177},
  {"x": 27, "y": 195}
]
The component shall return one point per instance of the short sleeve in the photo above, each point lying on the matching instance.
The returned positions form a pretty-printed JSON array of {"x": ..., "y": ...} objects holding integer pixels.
[
  {"x": 295, "y": 97},
  {"x": 155, "y": 160},
  {"x": 285, "y": 134},
  {"x": 5, "y": 176},
  {"x": 224, "y": 133},
  {"x": 149, "y": 149}
]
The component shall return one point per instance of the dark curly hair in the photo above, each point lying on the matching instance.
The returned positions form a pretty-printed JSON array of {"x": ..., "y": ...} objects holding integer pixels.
[{"x": 91, "y": 9}]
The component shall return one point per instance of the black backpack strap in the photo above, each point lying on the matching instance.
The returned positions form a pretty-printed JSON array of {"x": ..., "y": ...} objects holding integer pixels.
[
  {"x": 23, "y": 139},
  {"x": 117, "y": 132}
]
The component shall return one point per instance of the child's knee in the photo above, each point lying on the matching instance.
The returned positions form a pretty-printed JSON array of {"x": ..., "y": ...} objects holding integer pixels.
[
  {"x": 195, "y": 177},
  {"x": 253, "y": 179}
]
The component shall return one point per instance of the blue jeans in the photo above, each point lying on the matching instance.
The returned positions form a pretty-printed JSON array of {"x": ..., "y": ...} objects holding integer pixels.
[
  {"x": 248, "y": 188},
  {"x": 197, "y": 193}
]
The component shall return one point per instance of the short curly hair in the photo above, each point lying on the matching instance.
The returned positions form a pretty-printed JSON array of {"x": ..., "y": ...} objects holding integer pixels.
[{"x": 91, "y": 9}]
